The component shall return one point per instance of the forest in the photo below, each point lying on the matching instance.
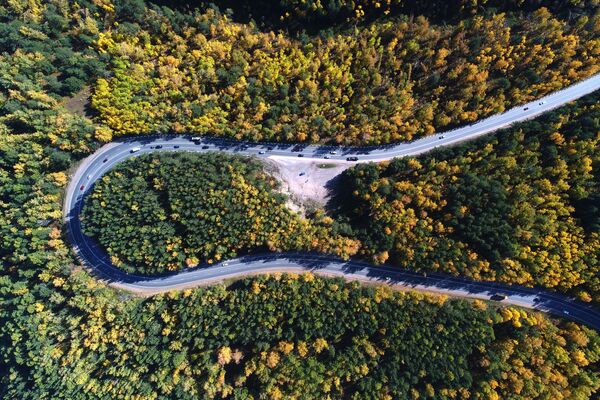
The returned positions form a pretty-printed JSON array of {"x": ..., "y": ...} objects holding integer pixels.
[
  {"x": 519, "y": 206},
  {"x": 169, "y": 211},
  {"x": 390, "y": 80},
  {"x": 314, "y": 15},
  {"x": 336, "y": 10},
  {"x": 64, "y": 334},
  {"x": 297, "y": 336}
]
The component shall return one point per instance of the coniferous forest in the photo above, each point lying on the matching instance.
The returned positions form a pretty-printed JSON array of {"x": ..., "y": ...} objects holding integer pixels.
[{"x": 75, "y": 75}]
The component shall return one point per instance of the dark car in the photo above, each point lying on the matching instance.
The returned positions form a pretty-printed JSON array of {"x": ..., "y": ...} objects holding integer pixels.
[
  {"x": 158, "y": 146},
  {"x": 205, "y": 147},
  {"x": 270, "y": 148},
  {"x": 498, "y": 297},
  {"x": 176, "y": 146},
  {"x": 82, "y": 187},
  {"x": 352, "y": 159},
  {"x": 300, "y": 155},
  {"x": 105, "y": 160},
  {"x": 526, "y": 108}
]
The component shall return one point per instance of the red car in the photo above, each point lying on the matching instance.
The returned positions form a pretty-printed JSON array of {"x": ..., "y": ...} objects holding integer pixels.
[{"x": 82, "y": 186}]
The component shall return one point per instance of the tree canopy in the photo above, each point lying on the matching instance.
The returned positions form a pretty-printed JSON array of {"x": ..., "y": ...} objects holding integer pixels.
[
  {"x": 65, "y": 334},
  {"x": 514, "y": 207},
  {"x": 164, "y": 212},
  {"x": 391, "y": 80}
]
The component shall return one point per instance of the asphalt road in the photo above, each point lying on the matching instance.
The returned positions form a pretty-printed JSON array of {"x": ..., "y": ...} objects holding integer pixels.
[{"x": 92, "y": 254}]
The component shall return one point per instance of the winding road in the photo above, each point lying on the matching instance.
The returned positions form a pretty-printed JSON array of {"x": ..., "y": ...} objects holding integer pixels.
[{"x": 96, "y": 165}]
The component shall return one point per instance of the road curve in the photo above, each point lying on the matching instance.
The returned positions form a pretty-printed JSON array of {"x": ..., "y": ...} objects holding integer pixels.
[{"x": 96, "y": 165}]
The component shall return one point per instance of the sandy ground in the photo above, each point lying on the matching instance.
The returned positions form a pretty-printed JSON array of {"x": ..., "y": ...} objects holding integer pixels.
[{"x": 305, "y": 181}]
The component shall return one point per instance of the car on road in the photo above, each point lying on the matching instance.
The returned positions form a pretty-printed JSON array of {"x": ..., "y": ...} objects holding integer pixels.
[
  {"x": 498, "y": 297},
  {"x": 269, "y": 148},
  {"x": 89, "y": 177},
  {"x": 526, "y": 108},
  {"x": 566, "y": 312},
  {"x": 196, "y": 138},
  {"x": 135, "y": 150},
  {"x": 302, "y": 173},
  {"x": 82, "y": 187},
  {"x": 105, "y": 160},
  {"x": 333, "y": 152},
  {"x": 158, "y": 146},
  {"x": 205, "y": 147},
  {"x": 261, "y": 152},
  {"x": 541, "y": 103},
  {"x": 300, "y": 155},
  {"x": 326, "y": 157},
  {"x": 176, "y": 146},
  {"x": 352, "y": 159},
  {"x": 441, "y": 137}
]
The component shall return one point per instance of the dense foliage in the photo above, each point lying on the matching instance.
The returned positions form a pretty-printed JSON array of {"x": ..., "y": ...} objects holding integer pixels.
[
  {"x": 307, "y": 13},
  {"x": 162, "y": 212},
  {"x": 60, "y": 34},
  {"x": 312, "y": 16},
  {"x": 63, "y": 334},
  {"x": 388, "y": 81},
  {"x": 299, "y": 337},
  {"x": 516, "y": 207}
]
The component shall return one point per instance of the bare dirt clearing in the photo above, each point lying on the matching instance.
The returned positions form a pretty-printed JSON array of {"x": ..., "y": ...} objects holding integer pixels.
[
  {"x": 78, "y": 103},
  {"x": 305, "y": 181}
]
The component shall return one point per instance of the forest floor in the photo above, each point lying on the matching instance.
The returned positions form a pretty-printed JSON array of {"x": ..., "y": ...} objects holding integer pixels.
[
  {"x": 306, "y": 182},
  {"x": 79, "y": 103}
]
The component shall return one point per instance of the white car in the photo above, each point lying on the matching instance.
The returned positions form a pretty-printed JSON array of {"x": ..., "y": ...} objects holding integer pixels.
[
  {"x": 196, "y": 138},
  {"x": 261, "y": 152},
  {"x": 135, "y": 149}
]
